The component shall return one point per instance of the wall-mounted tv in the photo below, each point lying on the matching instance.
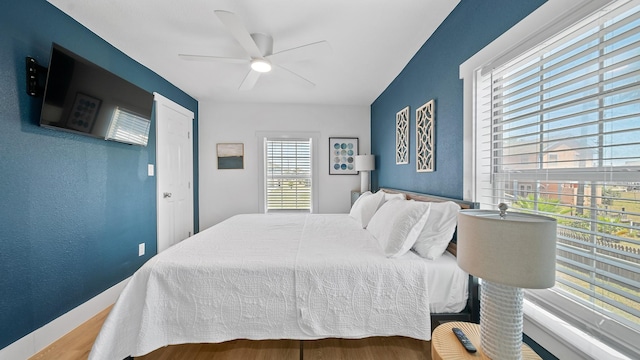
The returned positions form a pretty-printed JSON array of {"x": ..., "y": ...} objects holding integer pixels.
[{"x": 83, "y": 98}]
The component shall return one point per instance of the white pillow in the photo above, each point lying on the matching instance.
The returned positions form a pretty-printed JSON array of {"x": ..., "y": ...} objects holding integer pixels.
[
  {"x": 397, "y": 225},
  {"x": 388, "y": 196},
  {"x": 438, "y": 230},
  {"x": 355, "y": 203},
  {"x": 365, "y": 206}
]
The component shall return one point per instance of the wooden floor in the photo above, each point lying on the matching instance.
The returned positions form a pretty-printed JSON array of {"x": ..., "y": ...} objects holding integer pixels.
[{"x": 76, "y": 345}]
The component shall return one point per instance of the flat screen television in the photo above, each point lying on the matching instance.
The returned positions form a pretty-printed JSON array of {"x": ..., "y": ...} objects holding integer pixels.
[{"x": 83, "y": 98}]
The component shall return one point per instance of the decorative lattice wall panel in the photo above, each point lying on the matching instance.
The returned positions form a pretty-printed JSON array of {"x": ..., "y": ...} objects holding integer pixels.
[
  {"x": 402, "y": 136},
  {"x": 425, "y": 137}
]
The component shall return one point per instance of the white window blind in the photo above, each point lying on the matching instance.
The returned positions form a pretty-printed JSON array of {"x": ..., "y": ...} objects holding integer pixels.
[
  {"x": 288, "y": 174},
  {"x": 558, "y": 133}
]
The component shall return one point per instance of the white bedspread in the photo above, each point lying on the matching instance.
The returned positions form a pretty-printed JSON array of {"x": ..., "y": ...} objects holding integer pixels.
[{"x": 269, "y": 277}]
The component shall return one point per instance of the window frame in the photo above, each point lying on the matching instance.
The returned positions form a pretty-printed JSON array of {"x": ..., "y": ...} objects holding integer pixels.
[
  {"x": 261, "y": 137},
  {"x": 279, "y": 177},
  {"x": 547, "y": 20}
]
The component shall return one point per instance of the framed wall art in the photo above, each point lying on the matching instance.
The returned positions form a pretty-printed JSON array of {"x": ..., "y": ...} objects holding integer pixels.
[
  {"x": 342, "y": 155},
  {"x": 425, "y": 137},
  {"x": 230, "y": 156},
  {"x": 402, "y": 136}
]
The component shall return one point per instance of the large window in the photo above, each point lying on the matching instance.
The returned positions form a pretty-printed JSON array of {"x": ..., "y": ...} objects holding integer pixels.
[
  {"x": 288, "y": 174},
  {"x": 558, "y": 134}
]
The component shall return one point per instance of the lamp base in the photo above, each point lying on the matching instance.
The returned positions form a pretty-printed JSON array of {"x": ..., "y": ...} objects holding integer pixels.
[
  {"x": 501, "y": 320},
  {"x": 364, "y": 181}
]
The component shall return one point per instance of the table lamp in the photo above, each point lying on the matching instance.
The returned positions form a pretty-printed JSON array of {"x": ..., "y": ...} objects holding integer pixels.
[
  {"x": 364, "y": 164},
  {"x": 508, "y": 252}
]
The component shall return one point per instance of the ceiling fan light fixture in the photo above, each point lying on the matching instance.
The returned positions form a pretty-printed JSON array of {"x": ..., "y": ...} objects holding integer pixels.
[{"x": 261, "y": 65}]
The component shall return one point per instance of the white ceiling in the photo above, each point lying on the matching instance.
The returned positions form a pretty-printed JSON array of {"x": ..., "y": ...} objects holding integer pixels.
[{"x": 371, "y": 41}]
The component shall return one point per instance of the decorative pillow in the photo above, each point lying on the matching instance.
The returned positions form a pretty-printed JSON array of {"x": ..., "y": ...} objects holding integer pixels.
[
  {"x": 397, "y": 224},
  {"x": 438, "y": 230},
  {"x": 365, "y": 206}
]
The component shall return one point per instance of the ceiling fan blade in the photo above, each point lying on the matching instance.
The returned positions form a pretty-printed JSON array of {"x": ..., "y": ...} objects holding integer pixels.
[
  {"x": 249, "y": 81},
  {"x": 213, "y": 58},
  {"x": 296, "y": 76},
  {"x": 239, "y": 32},
  {"x": 304, "y": 52}
]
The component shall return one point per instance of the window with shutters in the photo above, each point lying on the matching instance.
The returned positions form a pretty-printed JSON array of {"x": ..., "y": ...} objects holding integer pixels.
[
  {"x": 288, "y": 185},
  {"x": 558, "y": 134}
]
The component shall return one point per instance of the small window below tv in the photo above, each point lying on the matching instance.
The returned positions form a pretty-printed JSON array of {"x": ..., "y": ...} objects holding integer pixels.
[{"x": 83, "y": 98}]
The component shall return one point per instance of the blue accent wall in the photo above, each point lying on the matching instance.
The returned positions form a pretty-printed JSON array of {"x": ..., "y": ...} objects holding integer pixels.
[
  {"x": 433, "y": 73},
  {"x": 73, "y": 208}
]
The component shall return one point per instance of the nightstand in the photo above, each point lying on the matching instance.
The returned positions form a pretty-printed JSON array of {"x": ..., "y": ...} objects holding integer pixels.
[
  {"x": 354, "y": 196},
  {"x": 445, "y": 345}
]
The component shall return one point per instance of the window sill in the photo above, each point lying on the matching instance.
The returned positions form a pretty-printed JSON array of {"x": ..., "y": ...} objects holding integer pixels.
[{"x": 561, "y": 339}]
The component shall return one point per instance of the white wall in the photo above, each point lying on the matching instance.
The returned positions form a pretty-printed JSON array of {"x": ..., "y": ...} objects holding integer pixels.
[{"x": 224, "y": 193}]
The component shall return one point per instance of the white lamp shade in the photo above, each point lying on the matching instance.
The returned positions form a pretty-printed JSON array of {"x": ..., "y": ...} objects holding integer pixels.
[
  {"x": 365, "y": 162},
  {"x": 519, "y": 250}
]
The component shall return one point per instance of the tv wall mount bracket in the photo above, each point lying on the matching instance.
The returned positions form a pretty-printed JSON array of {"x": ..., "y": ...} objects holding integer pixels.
[{"x": 35, "y": 73}]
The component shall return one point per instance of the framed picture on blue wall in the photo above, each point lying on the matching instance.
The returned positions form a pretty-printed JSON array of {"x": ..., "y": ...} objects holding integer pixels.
[{"x": 342, "y": 155}]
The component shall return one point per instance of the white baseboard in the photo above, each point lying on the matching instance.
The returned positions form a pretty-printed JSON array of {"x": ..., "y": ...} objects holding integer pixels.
[{"x": 32, "y": 343}]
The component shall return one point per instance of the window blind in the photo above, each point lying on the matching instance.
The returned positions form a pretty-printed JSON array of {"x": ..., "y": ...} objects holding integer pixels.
[
  {"x": 558, "y": 134},
  {"x": 288, "y": 174}
]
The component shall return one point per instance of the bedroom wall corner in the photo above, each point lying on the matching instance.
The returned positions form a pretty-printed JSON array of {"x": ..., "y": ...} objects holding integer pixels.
[{"x": 433, "y": 73}]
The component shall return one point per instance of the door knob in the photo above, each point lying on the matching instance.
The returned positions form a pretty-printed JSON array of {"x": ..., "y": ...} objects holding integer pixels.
[{"x": 167, "y": 195}]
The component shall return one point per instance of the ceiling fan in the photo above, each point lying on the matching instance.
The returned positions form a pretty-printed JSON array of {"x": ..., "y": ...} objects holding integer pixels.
[{"x": 259, "y": 49}]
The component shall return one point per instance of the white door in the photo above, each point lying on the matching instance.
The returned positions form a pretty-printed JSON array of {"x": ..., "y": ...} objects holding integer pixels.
[{"x": 174, "y": 172}]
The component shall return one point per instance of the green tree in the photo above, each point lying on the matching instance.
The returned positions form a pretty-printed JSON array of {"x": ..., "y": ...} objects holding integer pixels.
[{"x": 544, "y": 204}]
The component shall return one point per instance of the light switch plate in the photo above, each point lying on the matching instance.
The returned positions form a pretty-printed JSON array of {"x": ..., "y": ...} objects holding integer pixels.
[
  {"x": 140, "y": 249},
  {"x": 150, "y": 169}
]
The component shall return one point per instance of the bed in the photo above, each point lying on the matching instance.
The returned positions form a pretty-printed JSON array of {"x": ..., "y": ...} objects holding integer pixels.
[{"x": 285, "y": 276}]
